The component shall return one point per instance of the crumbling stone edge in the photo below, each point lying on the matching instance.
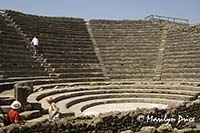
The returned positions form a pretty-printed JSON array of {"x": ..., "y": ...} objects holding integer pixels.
[{"x": 119, "y": 121}]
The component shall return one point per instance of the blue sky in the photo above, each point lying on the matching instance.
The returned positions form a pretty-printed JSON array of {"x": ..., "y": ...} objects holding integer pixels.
[{"x": 108, "y": 9}]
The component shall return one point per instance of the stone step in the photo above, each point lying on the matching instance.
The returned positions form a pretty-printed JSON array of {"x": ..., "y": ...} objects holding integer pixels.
[
  {"x": 28, "y": 115},
  {"x": 182, "y": 48},
  {"x": 128, "y": 55},
  {"x": 70, "y": 55},
  {"x": 124, "y": 71},
  {"x": 50, "y": 48},
  {"x": 81, "y": 107},
  {"x": 109, "y": 85},
  {"x": 129, "y": 64},
  {"x": 73, "y": 101},
  {"x": 12, "y": 41},
  {"x": 183, "y": 60},
  {"x": 130, "y": 59},
  {"x": 69, "y": 60},
  {"x": 128, "y": 50},
  {"x": 181, "y": 75},
  {"x": 19, "y": 51},
  {"x": 162, "y": 93},
  {"x": 182, "y": 65},
  {"x": 67, "y": 44},
  {"x": 49, "y": 52},
  {"x": 142, "y": 47},
  {"x": 181, "y": 70},
  {"x": 53, "y": 30},
  {"x": 188, "y": 52},
  {"x": 136, "y": 75},
  {"x": 76, "y": 70},
  {"x": 79, "y": 75},
  {"x": 65, "y": 93},
  {"x": 25, "y": 73},
  {"x": 7, "y": 45},
  {"x": 5, "y": 100},
  {"x": 75, "y": 65}
]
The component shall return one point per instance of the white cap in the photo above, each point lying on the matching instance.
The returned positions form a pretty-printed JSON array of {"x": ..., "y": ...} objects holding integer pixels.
[{"x": 16, "y": 105}]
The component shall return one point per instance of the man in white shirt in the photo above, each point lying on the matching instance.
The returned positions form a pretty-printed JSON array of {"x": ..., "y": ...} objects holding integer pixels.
[{"x": 35, "y": 43}]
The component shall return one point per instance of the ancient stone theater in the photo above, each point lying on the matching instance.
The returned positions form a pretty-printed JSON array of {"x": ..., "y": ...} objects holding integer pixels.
[{"x": 105, "y": 76}]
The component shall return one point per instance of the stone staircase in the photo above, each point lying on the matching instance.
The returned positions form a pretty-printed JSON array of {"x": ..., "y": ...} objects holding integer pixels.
[{"x": 161, "y": 54}]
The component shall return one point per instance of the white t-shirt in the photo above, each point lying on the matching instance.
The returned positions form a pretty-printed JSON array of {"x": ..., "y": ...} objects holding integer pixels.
[{"x": 35, "y": 41}]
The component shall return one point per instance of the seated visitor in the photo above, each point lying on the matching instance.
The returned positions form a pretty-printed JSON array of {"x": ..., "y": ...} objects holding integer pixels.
[
  {"x": 53, "y": 110},
  {"x": 13, "y": 114}
]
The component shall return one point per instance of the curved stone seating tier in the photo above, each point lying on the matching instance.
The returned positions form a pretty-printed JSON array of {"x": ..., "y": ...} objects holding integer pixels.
[
  {"x": 183, "y": 65},
  {"x": 79, "y": 70},
  {"x": 79, "y": 96},
  {"x": 123, "y": 42},
  {"x": 49, "y": 21},
  {"x": 195, "y": 60},
  {"x": 128, "y": 37},
  {"x": 16, "y": 59},
  {"x": 66, "y": 60},
  {"x": 28, "y": 16},
  {"x": 193, "y": 55},
  {"x": 24, "y": 73},
  {"x": 59, "y": 36},
  {"x": 67, "y": 42},
  {"x": 129, "y": 55},
  {"x": 127, "y": 23},
  {"x": 75, "y": 54},
  {"x": 20, "y": 61},
  {"x": 135, "y": 76},
  {"x": 10, "y": 36},
  {"x": 76, "y": 65},
  {"x": 78, "y": 46},
  {"x": 11, "y": 42},
  {"x": 125, "y": 63},
  {"x": 62, "y": 41},
  {"x": 107, "y": 48},
  {"x": 180, "y": 76},
  {"x": 182, "y": 70},
  {"x": 181, "y": 56},
  {"x": 10, "y": 45},
  {"x": 15, "y": 52},
  {"x": 68, "y": 53},
  {"x": 54, "y": 30},
  {"x": 134, "y": 71},
  {"x": 68, "y": 47},
  {"x": 79, "y": 74},
  {"x": 80, "y": 108},
  {"x": 183, "y": 48},
  {"x": 141, "y": 49}
]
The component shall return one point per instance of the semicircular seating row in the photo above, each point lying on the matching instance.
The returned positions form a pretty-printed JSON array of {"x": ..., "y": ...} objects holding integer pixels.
[{"x": 77, "y": 97}]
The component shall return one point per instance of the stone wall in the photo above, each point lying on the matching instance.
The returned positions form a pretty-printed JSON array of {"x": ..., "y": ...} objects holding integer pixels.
[{"x": 118, "y": 121}]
